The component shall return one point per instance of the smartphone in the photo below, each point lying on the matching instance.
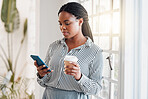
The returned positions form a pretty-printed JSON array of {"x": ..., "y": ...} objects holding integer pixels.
[{"x": 39, "y": 61}]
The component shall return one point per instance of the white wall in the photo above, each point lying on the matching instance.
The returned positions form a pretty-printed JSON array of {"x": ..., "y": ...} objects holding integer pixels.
[{"x": 49, "y": 28}]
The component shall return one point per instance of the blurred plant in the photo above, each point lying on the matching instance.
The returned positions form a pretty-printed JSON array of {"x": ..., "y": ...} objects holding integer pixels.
[{"x": 9, "y": 87}]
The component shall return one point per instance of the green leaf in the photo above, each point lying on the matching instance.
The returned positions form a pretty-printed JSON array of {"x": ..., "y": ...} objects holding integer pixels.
[
  {"x": 10, "y": 64},
  {"x": 10, "y": 15},
  {"x": 25, "y": 30},
  {"x": 3, "y": 97},
  {"x": 3, "y": 11},
  {"x": 12, "y": 80},
  {"x": 25, "y": 27}
]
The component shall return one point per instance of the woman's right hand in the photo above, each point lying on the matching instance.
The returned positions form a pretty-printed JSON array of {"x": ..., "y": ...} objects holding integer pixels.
[{"x": 42, "y": 72}]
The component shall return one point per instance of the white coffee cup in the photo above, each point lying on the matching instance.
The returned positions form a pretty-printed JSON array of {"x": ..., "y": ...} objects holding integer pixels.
[{"x": 70, "y": 58}]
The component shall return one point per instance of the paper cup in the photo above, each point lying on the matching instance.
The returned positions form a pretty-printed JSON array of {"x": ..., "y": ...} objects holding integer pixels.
[{"x": 69, "y": 58}]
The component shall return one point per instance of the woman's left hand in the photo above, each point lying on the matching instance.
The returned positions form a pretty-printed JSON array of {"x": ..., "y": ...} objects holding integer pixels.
[{"x": 74, "y": 70}]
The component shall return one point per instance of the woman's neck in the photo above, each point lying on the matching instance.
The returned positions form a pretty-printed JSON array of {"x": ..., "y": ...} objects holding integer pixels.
[{"x": 77, "y": 40}]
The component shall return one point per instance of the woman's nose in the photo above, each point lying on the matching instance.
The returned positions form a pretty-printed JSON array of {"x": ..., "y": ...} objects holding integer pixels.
[{"x": 63, "y": 27}]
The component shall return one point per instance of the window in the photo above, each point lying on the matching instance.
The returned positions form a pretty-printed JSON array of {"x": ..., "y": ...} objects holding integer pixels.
[{"x": 104, "y": 19}]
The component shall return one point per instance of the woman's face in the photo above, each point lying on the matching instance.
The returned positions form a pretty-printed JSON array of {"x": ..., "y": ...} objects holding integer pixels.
[{"x": 69, "y": 25}]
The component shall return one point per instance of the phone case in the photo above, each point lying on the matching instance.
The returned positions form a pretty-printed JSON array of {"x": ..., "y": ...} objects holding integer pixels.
[{"x": 39, "y": 61}]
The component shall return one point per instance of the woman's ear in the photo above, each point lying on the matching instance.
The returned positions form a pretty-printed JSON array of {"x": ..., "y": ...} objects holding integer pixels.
[{"x": 80, "y": 21}]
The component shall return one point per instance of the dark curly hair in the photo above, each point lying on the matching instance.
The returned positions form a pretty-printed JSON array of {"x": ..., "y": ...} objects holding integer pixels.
[{"x": 79, "y": 12}]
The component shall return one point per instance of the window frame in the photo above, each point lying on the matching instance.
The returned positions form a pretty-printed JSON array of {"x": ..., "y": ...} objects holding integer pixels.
[{"x": 120, "y": 52}]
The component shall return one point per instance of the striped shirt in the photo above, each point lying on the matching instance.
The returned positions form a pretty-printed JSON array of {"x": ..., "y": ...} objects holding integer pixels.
[{"x": 90, "y": 62}]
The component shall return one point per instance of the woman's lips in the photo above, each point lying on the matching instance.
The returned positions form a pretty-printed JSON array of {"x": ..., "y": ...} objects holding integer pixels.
[{"x": 65, "y": 33}]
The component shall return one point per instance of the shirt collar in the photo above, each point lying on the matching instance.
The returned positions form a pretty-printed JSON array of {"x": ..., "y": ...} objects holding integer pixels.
[{"x": 87, "y": 44}]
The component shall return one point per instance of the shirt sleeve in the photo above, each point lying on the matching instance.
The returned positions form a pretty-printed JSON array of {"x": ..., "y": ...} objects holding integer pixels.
[
  {"x": 44, "y": 79},
  {"x": 92, "y": 84}
]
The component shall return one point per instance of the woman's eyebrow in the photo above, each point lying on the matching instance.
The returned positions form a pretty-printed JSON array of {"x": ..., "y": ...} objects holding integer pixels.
[{"x": 64, "y": 20}]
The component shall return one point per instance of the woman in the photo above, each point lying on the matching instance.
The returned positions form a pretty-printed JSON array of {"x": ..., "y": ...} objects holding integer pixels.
[{"x": 84, "y": 77}]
